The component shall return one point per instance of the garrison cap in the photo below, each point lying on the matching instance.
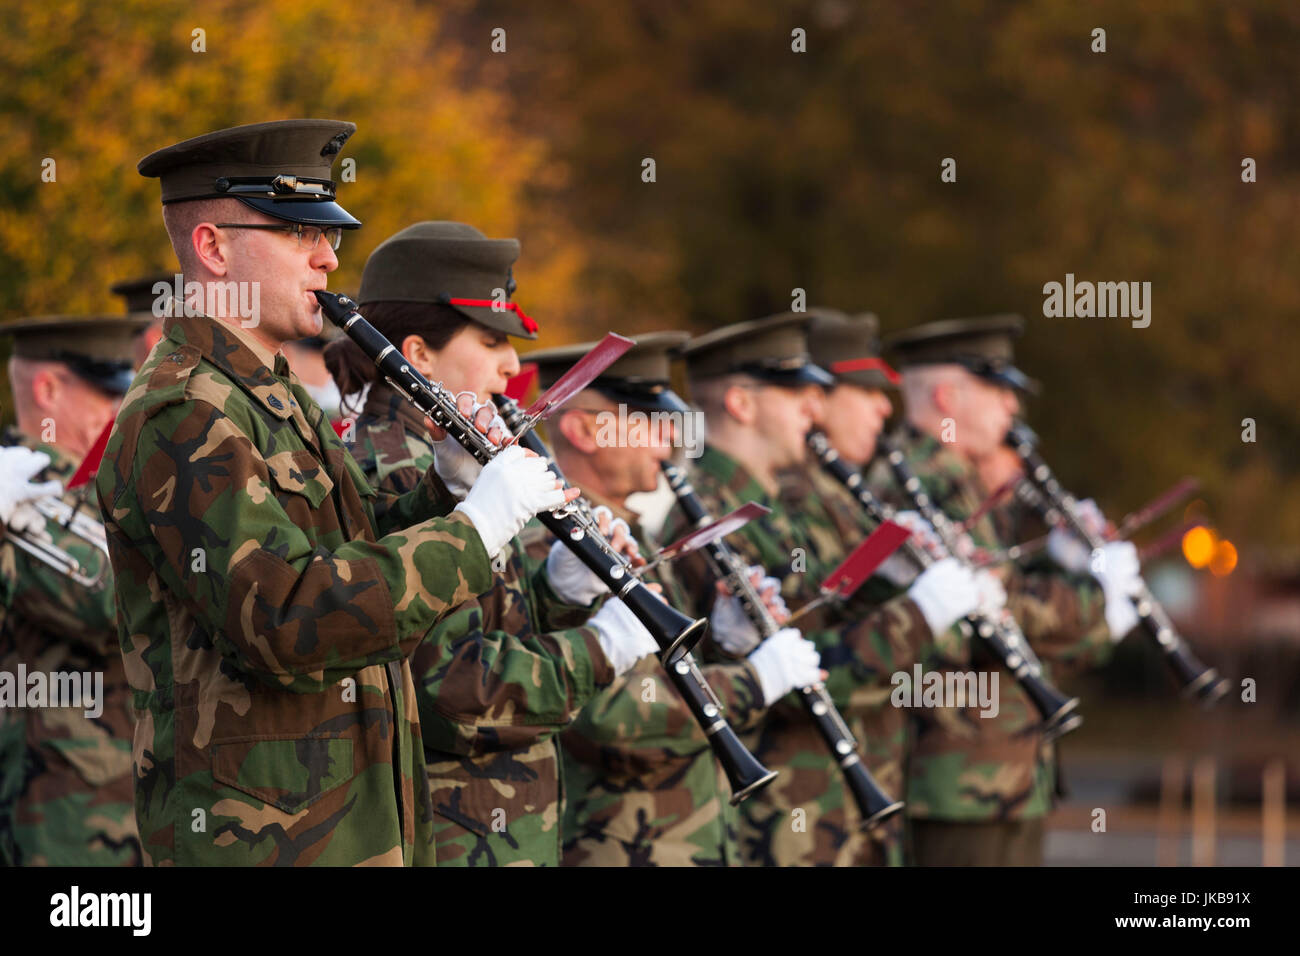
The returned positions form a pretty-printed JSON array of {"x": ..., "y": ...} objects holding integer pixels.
[
  {"x": 848, "y": 346},
  {"x": 281, "y": 169},
  {"x": 448, "y": 263},
  {"x": 773, "y": 350},
  {"x": 96, "y": 347},
  {"x": 640, "y": 378},
  {"x": 982, "y": 345}
]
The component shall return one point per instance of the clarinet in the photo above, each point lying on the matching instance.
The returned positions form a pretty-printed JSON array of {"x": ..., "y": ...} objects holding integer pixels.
[
  {"x": 1000, "y": 635},
  {"x": 674, "y": 632},
  {"x": 744, "y": 772},
  {"x": 874, "y": 805},
  {"x": 1196, "y": 680}
]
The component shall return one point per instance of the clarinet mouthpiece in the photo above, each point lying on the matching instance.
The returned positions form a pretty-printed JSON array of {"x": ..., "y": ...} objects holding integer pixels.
[{"x": 335, "y": 305}]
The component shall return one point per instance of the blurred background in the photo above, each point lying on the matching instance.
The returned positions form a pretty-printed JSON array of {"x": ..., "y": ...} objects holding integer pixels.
[{"x": 817, "y": 170}]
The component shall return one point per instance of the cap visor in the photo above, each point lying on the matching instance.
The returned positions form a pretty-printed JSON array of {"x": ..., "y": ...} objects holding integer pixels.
[
  {"x": 499, "y": 321},
  {"x": 664, "y": 401},
  {"x": 309, "y": 212},
  {"x": 1012, "y": 377},
  {"x": 803, "y": 375},
  {"x": 115, "y": 383}
]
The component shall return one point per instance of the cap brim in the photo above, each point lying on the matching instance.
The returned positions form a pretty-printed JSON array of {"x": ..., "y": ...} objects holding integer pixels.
[
  {"x": 498, "y": 321},
  {"x": 665, "y": 400},
  {"x": 115, "y": 383},
  {"x": 309, "y": 212},
  {"x": 1011, "y": 377},
  {"x": 791, "y": 377}
]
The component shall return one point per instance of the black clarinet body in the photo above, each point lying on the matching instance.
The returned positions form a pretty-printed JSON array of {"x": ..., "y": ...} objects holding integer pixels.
[
  {"x": 1000, "y": 635},
  {"x": 874, "y": 805},
  {"x": 1195, "y": 679},
  {"x": 673, "y": 632},
  {"x": 745, "y": 773}
]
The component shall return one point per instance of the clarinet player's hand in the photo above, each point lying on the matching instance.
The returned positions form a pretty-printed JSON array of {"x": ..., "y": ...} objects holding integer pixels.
[{"x": 512, "y": 487}]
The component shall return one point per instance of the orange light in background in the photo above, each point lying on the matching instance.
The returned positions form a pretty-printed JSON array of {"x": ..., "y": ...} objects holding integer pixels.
[
  {"x": 1199, "y": 546},
  {"x": 1224, "y": 560}
]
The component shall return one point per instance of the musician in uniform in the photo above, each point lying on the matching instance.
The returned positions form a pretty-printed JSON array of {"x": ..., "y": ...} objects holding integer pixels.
[
  {"x": 980, "y": 787},
  {"x": 268, "y": 596},
  {"x": 498, "y": 678},
  {"x": 852, "y": 416},
  {"x": 760, "y": 393},
  {"x": 65, "y": 763},
  {"x": 643, "y": 787}
]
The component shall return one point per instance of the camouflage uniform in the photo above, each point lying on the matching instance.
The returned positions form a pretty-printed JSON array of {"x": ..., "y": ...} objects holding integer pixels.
[
  {"x": 65, "y": 778},
  {"x": 881, "y": 728},
  {"x": 644, "y": 787},
  {"x": 860, "y": 648},
  {"x": 495, "y": 680},
  {"x": 968, "y": 769},
  {"x": 268, "y": 599}
]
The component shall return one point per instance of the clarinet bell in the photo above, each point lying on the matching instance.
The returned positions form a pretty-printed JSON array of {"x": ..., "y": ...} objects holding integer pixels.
[
  {"x": 1208, "y": 688},
  {"x": 874, "y": 805},
  {"x": 1060, "y": 728}
]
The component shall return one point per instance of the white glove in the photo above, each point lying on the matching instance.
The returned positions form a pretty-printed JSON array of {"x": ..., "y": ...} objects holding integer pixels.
[
  {"x": 784, "y": 661},
  {"x": 18, "y": 465},
  {"x": 512, "y": 488},
  {"x": 622, "y": 637},
  {"x": 457, "y": 468},
  {"x": 1065, "y": 548},
  {"x": 992, "y": 595},
  {"x": 1117, "y": 568},
  {"x": 945, "y": 592},
  {"x": 731, "y": 627}
]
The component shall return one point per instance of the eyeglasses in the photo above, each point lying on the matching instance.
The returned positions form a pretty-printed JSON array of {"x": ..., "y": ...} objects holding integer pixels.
[{"x": 307, "y": 236}]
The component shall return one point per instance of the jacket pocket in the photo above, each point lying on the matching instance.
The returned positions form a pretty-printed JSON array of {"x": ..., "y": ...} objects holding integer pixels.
[
  {"x": 289, "y": 774},
  {"x": 502, "y": 787},
  {"x": 299, "y": 472}
]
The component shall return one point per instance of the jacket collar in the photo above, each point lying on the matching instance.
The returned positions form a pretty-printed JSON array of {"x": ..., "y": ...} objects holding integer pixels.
[{"x": 261, "y": 373}]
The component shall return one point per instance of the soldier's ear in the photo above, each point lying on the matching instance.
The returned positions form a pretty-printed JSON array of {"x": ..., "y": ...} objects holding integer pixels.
[
  {"x": 944, "y": 396},
  {"x": 211, "y": 248},
  {"x": 417, "y": 352},
  {"x": 739, "y": 403},
  {"x": 47, "y": 388},
  {"x": 574, "y": 426}
]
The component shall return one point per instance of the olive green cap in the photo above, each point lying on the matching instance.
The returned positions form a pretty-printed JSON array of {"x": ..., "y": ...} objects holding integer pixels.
[
  {"x": 96, "y": 347},
  {"x": 983, "y": 345},
  {"x": 280, "y": 168},
  {"x": 443, "y": 263},
  {"x": 848, "y": 346},
  {"x": 772, "y": 350},
  {"x": 641, "y": 377}
]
